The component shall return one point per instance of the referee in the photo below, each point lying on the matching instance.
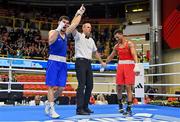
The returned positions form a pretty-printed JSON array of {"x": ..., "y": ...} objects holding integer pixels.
[{"x": 84, "y": 49}]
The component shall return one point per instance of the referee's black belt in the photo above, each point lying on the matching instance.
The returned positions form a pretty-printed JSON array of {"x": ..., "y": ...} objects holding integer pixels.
[{"x": 85, "y": 59}]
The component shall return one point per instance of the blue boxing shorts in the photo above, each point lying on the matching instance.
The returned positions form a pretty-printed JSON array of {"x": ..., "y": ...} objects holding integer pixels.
[{"x": 56, "y": 73}]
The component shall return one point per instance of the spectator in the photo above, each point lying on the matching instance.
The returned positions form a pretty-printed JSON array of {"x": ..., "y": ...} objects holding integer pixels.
[
  {"x": 151, "y": 90},
  {"x": 101, "y": 100},
  {"x": 36, "y": 102}
]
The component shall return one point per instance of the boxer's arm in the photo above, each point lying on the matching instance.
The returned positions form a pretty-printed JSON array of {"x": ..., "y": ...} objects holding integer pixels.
[
  {"x": 134, "y": 54},
  {"x": 52, "y": 36},
  {"x": 54, "y": 33},
  {"x": 133, "y": 51},
  {"x": 111, "y": 56}
]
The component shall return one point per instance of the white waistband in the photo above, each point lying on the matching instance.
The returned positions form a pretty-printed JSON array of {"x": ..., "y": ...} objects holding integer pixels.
[
  {"x": 57, "y": 58},
  {"x": 125, "y": 62}
]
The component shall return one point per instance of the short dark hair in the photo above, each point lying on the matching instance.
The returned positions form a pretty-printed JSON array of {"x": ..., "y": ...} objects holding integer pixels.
[
  {"x": 64, "y": 17},
  {"x": 84, "y": 22},
  {"x": 118, "y": 31}
]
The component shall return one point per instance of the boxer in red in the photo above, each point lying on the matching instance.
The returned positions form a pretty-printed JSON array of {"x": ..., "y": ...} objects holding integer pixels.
[{"x": 126, "y": 70}]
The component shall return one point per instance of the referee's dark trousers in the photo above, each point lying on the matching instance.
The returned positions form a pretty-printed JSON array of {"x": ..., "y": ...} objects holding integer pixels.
[{"x": 85, "y": 82}]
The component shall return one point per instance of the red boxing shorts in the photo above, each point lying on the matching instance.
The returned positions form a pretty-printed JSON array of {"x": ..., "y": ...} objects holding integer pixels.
[{"x": 125, "y": 74}]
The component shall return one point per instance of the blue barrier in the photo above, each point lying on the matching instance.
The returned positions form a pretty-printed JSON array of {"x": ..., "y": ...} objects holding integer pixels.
[{"x": 26, "y": 63}]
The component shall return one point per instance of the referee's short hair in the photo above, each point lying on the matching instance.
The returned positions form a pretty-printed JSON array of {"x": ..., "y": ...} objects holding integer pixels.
[{"x": 118, "y": 31}]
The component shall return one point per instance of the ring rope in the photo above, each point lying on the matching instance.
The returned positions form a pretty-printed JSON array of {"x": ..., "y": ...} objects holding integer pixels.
[
  {"x": 41, "y": 91},
  {"x": 162, "y": 74},
  {"x": 99, "y": 74},
  {"x": 96, "y": 83},
  {"x": 163, "y": 64},
  {"x": 96, "y": 74}
]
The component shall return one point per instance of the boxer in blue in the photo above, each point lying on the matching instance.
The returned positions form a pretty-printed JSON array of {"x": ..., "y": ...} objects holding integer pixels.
[{"x": 56, "y": 72}]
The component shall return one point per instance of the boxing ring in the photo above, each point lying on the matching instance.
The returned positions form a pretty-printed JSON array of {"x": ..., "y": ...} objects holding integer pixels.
[{"x": 102, "y": 113}]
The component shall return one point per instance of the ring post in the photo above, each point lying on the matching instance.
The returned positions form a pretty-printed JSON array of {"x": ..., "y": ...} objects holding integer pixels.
[
  {"x": 10, "y": 75},
  {"x": 139, "y": 84}
]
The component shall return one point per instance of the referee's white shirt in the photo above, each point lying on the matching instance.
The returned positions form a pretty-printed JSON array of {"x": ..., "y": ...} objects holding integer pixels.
[{"x": 84, "y": 47}]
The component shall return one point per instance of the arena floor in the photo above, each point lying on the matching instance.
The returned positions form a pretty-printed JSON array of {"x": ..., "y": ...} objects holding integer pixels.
[{"x": 102, "y": 113}]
